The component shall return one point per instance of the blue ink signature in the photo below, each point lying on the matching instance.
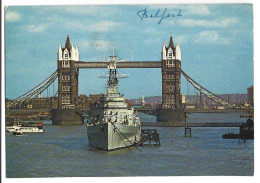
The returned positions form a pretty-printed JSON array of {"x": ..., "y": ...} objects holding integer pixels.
[{"x": 144, "y": 14}]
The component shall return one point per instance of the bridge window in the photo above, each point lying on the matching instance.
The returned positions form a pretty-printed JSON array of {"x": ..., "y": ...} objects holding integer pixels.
[
  {"x": 170, "y": 55},
  {"x": 68, "y": 107},
  {"x": 65, "y": 63},
  {"x": 169, "y": 99},
  {"x": 169, "y": 76},
  {"x": 169, "y": 64},
  {"x": 66, "y": 54},
  {"x": 66, "y": 88},
  {"x": 168, "y": 106},
  {"x": 65, "y": 77},
  {"x": 169, "y": 87},
  {"x": 165, "y": 106},
  {"x": 65, "y": 99}
]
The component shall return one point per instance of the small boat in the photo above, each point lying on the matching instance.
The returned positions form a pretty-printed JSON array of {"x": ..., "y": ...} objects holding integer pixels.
[
  {"x": 18, "y": 133},
  {"x": 26, "y": 127}
]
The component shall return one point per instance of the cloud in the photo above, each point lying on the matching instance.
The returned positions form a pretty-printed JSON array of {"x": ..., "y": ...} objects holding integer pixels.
[
  {"x": 204, "y": 37},
  {"x": 210, "y": 37},
  {"x": 12, "y": 16},
  {"x": 76, "y": 25},
  {"x": 104, "y": 26},
  {"x": 87, "y": 10},
  {"x": 181, "y": 39},
  {"x": 35, "y": 28},
  {"x": 82, "y": 10},
  {"x": 198, "y": 9},
  {"x": 96, "y": 45},
  {"x": 208, "y": 23}
]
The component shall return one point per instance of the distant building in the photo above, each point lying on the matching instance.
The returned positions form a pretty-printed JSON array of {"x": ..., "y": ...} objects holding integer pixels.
[
  {"x": 183, "y": 99},
  {"x": 190, "y": 106},
  {"x": 143, "y": 101},
  {"x": 220, "y": 107},
  {"x": 82, "y": 102},
  {"x": 90, "y": 102},
  {"x": 250, "y": 95},
  {"x": 43, "y": 103},
  {"x": 246, "y": 104}
]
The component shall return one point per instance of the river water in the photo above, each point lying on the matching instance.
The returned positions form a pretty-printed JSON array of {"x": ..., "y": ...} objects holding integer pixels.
[{"x": 63, "y": 151}]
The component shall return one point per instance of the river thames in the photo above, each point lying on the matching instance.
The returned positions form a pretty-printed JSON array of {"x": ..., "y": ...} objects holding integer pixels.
[{"x": 63, "y": 151}]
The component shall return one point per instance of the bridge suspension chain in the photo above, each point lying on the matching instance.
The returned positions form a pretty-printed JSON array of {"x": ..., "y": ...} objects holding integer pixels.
[
  {"x": 34, "y": 91},
  {"x": 209, "y": 94}
]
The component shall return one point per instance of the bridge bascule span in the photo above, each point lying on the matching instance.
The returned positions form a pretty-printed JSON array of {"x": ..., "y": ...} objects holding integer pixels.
[
  {"x": 34, "y": 92},
  {"x": 68, "y": 70}
]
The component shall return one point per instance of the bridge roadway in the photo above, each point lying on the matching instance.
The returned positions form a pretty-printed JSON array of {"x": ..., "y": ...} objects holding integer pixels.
[
  {"x": 148, "y": 124},
  {"x": 190, "y": 111},
  {"x": 17, "y": 111},
  {"x": 207, "y": 124},
  {"x": 143, "y": 110}
]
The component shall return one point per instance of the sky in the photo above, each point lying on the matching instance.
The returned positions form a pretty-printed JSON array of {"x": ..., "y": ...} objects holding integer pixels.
[{"x": 216, "y": 43}]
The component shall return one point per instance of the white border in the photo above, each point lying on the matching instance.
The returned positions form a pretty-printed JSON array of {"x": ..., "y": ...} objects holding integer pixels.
[{"x": 222, "y": 179}]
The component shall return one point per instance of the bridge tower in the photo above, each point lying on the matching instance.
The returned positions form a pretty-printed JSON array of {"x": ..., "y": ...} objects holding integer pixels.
[
  {"x": 67, "y": 112},
  {"x": 68, "y": 76},
  {"x": 171, "y": 109}
]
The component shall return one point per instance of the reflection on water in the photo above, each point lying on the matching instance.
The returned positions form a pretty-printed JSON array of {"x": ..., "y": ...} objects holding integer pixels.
[{"x": 63, "y": 151}]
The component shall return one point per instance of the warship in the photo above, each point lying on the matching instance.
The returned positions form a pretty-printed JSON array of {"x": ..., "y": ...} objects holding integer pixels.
[{"x": 113, "y": 124}]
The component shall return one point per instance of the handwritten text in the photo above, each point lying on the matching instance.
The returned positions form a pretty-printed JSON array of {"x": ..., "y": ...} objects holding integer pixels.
[{"x": 159, "y": 14}]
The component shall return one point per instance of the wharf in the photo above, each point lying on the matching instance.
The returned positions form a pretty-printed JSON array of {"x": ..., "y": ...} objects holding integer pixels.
[{"x": 207, "y": 124}]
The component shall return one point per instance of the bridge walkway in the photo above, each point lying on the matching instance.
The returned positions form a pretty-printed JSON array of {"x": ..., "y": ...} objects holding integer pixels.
[{"x": 207, "y": 124}]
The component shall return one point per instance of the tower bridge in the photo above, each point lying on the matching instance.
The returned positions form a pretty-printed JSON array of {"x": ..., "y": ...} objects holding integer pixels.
[
  {"x": 68, "y": 71},
  {"x": 68, "y": 65}
]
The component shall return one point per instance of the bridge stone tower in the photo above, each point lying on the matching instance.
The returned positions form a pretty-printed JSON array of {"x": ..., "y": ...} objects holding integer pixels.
[
  {"x": 171, "y": 110},
  {"x": 68, "y": 76},
  {"x": 67, "y": 112}
]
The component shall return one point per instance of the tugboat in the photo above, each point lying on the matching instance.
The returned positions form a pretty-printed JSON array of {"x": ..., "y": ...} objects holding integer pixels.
[
  {"x": 246, "y": 130},
  {"x": 113, "y": 124}
]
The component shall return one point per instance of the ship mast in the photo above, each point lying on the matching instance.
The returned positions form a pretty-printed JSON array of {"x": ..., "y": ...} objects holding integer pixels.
[{"x": 112, "y": 83}]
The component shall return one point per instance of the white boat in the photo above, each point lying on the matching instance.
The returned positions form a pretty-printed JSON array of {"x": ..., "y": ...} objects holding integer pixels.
[
  {"x": 12, "y": 128},
  {"x": 113, "y": 124},
  {"x": 25, "y": 127}
]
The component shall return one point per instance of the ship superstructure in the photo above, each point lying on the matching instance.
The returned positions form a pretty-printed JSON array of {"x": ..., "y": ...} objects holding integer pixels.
[{"x": 113, "y": 124}]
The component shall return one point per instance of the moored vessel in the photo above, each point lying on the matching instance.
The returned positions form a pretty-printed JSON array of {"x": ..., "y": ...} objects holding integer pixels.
[
  {"x": 247, "y": 129},
  {"x": 25, "y": 127},
  {"x": 113, "y": 124}
]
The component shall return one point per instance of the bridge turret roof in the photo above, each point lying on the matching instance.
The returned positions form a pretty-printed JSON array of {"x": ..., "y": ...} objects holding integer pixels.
[
  {"x": 67, "y": 44},
  {"x": 171, "y": 44}
]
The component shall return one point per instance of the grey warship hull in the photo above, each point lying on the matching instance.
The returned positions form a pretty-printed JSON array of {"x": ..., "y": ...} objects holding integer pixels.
[{"x": 109, "y": 136}]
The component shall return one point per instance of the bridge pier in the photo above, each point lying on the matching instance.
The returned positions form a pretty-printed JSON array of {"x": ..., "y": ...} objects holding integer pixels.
[
  {"x": 67, "y": 117},
  {"x": 171, "y": 116}
]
